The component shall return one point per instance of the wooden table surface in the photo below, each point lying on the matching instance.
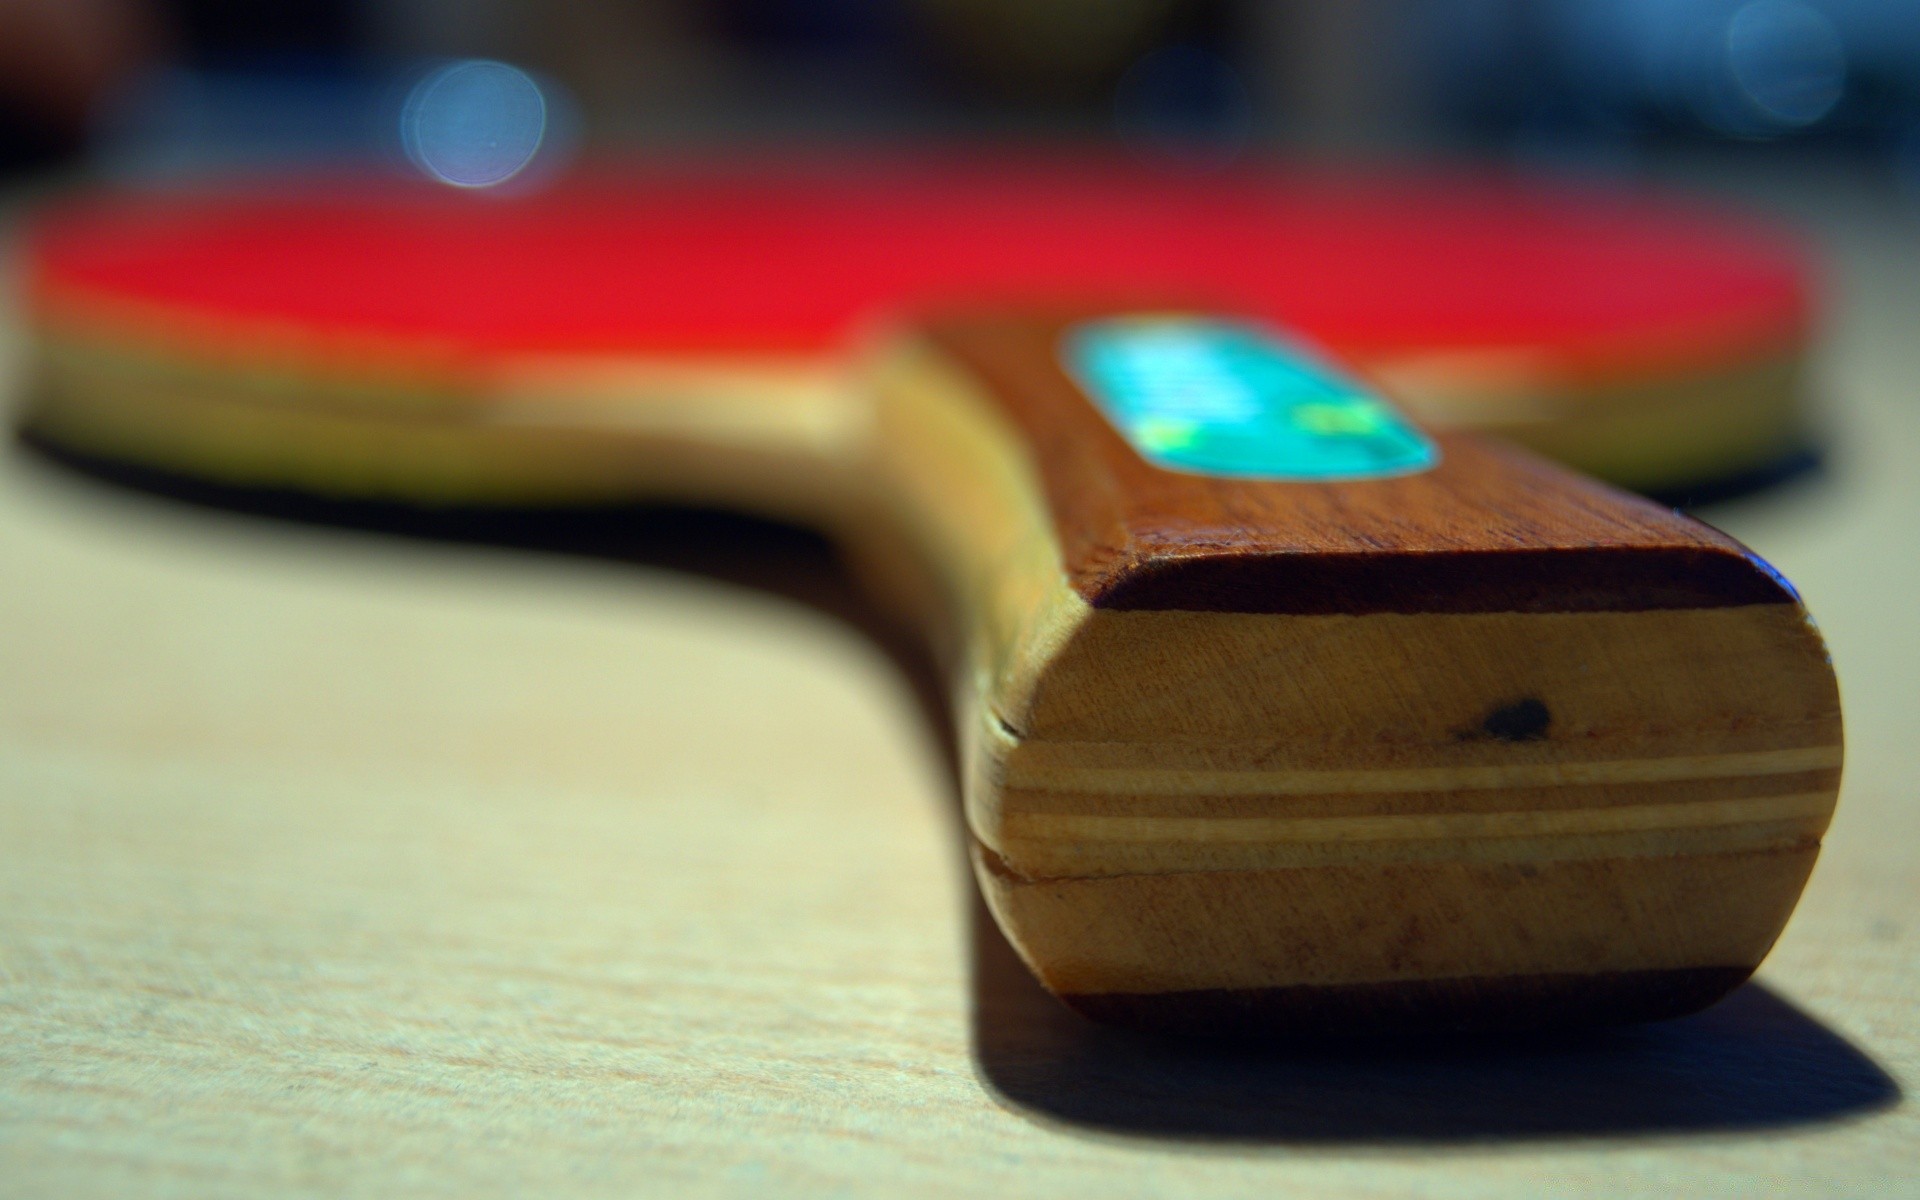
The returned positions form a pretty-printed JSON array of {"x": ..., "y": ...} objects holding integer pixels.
[{"x": 335, "y": 861}]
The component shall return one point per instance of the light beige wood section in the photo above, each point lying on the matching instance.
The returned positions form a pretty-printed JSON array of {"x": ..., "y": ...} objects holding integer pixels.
[
  {"x": 332, "y": 866},
  {"x": 1647, "y": 434},
  {"x": 1380, "y": 923},
  {"x": 1207, "y": 780},
  {"x": 774, "y": 437},
  {"x": 1625, "y": 685},
  {"x": 1051, "y": 856},
  {"x": 1795, "y": 806},
  {"x": 975, "y": 547}
]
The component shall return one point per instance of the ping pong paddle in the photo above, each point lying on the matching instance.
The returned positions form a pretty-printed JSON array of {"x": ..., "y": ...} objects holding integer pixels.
[
  {"x": 377, "y": 339},
  {"x": 1401, "y": 732}
]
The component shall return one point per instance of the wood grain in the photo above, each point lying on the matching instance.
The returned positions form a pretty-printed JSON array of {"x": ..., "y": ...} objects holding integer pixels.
[
  {"x": 1489, "y": 723},
  {"x": 1489, "y": 530}
]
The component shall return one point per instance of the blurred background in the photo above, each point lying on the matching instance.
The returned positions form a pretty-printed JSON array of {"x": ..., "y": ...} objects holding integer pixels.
[{"x": 153, "y": 87}]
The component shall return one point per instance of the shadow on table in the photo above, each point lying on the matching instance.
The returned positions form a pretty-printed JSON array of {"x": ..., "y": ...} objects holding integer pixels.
[
  {"x": 1805, "y": 463},
  {"x": 745, "y": 551},
  {"x": 1752, "y": 1062}
]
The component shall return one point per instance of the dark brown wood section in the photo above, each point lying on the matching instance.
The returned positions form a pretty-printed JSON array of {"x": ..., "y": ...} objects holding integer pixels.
[
  {"x": 1491, "y": 529},
  {"x": 1419, "y": 1008}
]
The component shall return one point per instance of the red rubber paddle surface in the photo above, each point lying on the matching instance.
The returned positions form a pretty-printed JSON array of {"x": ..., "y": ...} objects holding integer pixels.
[{"x": 789, "y": 260}]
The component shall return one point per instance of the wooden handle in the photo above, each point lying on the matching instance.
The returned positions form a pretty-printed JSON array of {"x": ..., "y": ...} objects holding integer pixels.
[{"x": 1465, "y": 742}]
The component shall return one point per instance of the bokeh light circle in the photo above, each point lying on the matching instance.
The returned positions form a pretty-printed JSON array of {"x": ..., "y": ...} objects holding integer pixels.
[
  {"x": 474, "y": 124},
  {"x": 1787, "y": 60}
]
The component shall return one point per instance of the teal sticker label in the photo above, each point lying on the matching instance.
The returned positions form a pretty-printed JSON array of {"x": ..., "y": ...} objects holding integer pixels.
[{"x": 1222, "y": 398}]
